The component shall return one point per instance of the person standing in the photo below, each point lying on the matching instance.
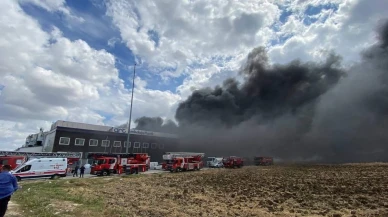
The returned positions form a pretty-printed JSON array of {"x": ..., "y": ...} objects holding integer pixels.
[
  {"x": 8, "y": 185},
  {"x": 81, "y": 171},
  {"x": 75, "y": 174}
]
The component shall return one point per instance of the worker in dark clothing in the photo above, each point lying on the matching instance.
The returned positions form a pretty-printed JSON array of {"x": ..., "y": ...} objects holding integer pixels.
[
  {"x": 81, "y": 171},
  {"x": 8, "y": 185},
  {"x": 75, "y": 174}
]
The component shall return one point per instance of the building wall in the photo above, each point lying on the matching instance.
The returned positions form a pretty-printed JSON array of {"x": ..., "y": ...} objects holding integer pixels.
[
  {"x": 48, "y": 144},
  {"x": 156, "y": 145}
]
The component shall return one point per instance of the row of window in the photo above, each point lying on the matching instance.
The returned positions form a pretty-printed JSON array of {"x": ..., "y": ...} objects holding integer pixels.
[{"x": 106, "y": 143}]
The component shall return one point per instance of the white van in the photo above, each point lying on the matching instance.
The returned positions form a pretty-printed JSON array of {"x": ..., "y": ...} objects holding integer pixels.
[
  {"x": 41, "y": 167},
  {"x": 155, "y": 166},
  {"x": 216, "y": 162}
]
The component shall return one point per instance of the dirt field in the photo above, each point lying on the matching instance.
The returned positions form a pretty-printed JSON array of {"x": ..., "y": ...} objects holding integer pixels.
[{"x": 347, "y": 190}]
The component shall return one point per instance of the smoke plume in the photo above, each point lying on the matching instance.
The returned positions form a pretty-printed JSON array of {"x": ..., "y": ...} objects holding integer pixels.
[
  {"x": 155, "y": 124},
  {"x": 313, "y": 111}
]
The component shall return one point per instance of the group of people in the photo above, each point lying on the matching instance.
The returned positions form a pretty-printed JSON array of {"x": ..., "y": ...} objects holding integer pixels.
[
  {"x": 81, "y": 171},
  {"x": 8, "y": 185}
]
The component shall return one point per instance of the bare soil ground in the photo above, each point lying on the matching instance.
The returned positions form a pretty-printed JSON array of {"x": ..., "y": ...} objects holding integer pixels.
[
  {"x": 325, "y": 190},
  {"x": 13, "y": 210}
]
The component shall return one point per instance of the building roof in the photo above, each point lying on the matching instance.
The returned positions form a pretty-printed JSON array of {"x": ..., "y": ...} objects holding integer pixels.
[
  {"x": 101, "y": 128},
  {"x": 77, "y": 125}
]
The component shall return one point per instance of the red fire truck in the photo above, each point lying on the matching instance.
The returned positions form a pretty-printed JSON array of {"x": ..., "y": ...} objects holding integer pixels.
[
  {"x": 106, "y": 164},
  {"x": 183, "y": 161},
  {"x": 15, "y": 158},
  {"x": 233, "y": 162},
  {"x": 263, "y": 161}
]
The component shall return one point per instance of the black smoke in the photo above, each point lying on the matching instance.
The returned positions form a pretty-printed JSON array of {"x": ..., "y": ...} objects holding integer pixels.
[
  {"x": 315, "y": 111},
  {"x": 268, "y": 92},
  {"x": 155, "y": 124}
]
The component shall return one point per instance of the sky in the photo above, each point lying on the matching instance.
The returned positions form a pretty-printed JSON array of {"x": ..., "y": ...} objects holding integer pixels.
[{"x": 73, "y": 60}]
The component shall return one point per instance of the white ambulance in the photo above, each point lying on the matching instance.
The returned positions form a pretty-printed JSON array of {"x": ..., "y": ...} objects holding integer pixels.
[{"x": 41, "y": 168}]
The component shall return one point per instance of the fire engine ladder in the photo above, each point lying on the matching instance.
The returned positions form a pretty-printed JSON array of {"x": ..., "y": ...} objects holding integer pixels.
[
  {"x": 42, "y": 154},
  {"x": 91, "y": 155},
  {"x": 185, "y": 154}
]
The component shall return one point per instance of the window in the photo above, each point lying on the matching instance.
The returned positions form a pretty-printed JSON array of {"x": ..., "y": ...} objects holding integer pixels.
[
  {"x": 79, "y": 141},
  {"x": 93, "y": 142},
  {"x": 117, "y": 144},
  {"x": 153, "y": 145},
  {"x": 146, "y": 145},
  {"x": 105, "y": 143},
  {"x": 125, "y": 144},
  {"x": 25, "y": 169},
  {"x": 64, "y": 141},
  {"x": 136, "y": 145},
  {"x": 161, "y": 146}
]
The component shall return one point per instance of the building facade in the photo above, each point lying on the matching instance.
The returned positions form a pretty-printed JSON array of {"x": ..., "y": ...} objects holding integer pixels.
[{"x": 86, "y": 138}]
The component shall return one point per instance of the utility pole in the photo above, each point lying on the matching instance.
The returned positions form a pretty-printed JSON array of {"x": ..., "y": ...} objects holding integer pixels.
[{"x": 130, "y": 111}]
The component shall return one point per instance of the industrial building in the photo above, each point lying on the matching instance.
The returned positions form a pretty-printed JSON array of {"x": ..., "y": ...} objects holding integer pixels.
[{"x": 65, "y": 136}]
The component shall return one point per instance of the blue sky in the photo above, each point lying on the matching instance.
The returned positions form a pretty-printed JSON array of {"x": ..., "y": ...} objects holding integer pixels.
[
  {"x": 73, "y": 59},
  {"x": 97, "y": 29}
]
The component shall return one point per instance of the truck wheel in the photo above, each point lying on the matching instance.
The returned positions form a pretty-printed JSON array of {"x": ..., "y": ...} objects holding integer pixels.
[
  {"x": 105, "y": 173},
  {"x": 18, "y": 178},
  {"x": 54, "y": 176}
]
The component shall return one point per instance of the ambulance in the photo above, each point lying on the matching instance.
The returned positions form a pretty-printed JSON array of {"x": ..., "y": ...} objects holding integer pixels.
[{"x": 41, "y": 168}]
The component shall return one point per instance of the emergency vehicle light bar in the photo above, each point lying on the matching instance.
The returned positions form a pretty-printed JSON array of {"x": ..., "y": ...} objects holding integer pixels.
[{"x": 42, "y": 154}]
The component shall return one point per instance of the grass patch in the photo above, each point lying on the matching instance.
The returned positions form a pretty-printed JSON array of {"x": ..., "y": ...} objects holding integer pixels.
[{"x": 58, "y": 197}]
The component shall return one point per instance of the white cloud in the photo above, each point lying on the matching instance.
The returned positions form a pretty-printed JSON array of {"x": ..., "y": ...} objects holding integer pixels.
[
  {"x": 194, "y": 35},
  {"x": 113, "y": 41},
  {"x": 54, "y": 6},
  {"x": 13, "y": 134},
  {"x": 49, "y": 5},
  {"x": 347, "y": 31},
  {"x": 190, "y": 32},
  {"x": 46, "y": 77}
]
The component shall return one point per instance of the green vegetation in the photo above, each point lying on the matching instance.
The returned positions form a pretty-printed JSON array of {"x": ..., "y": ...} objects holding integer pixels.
[{"x": 58, "y": 198}]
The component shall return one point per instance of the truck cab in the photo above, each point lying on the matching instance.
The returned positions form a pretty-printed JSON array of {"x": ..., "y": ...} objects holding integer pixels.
[
  {"x": 233, "y": 162},
  {"x": 209, "y": 160},
  {"x": 104, "y": 166},
  {"x": 176, "y": 164},
  {"x": 13, "y": 161}
]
